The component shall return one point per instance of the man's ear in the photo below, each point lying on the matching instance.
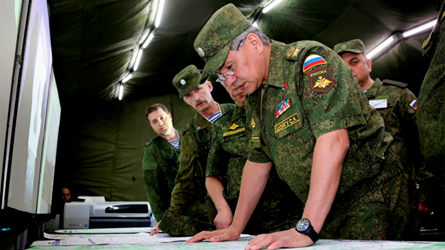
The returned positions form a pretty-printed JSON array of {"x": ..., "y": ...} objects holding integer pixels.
[
  {"x": 369, "y": 63},
  {"x": 209, "y": 83},
  {"x": 255, "y": 41}
]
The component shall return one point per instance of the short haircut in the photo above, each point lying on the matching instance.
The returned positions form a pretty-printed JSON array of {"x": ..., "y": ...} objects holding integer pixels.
[
  {"x": 239, "y": 40},
  {"x": 155, "y": 107}
]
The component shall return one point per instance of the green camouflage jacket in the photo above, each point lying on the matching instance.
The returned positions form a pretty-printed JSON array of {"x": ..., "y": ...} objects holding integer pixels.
[
  {"x": 227, "y": 156},
  {"x": 160, "y": 162},
  {"x": 190, "y": 181}
]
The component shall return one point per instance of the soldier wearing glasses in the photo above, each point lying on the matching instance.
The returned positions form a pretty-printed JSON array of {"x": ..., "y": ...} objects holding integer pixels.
[{"x": 307, "y": 115}]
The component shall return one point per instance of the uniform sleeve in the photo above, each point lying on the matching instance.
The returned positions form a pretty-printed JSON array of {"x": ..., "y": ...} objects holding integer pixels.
[
  {"x": 183, "y": 193},
  {"x": 217, "y": 160},
  {"x": 408, "y": 106},
  {"x": 152, "y": 186},
  {"x": 330, "y": 95}
]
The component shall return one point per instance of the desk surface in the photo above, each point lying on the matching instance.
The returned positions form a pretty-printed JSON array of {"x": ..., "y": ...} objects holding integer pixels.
[{"x": 321, "y": 244}]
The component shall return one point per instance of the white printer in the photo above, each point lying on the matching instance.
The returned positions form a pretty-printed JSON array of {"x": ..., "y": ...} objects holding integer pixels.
[{"x": 106, "y": 214}]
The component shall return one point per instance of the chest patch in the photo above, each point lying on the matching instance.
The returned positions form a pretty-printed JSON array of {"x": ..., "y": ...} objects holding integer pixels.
[
  {"x": 321, "y": 80},
  {"x": 234, "y": 132},
  {"x": 291, "y": 120}
]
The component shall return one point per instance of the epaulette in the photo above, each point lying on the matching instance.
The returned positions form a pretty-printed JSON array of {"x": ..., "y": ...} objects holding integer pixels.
[
  {"x": 395, "y": 83},
  {"x": 294, "y": 49}
]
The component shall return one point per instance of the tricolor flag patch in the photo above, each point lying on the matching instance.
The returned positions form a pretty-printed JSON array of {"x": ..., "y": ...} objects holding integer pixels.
[
  {"x": 413, "y": 104},
  {"x": 312, "y": 61}
]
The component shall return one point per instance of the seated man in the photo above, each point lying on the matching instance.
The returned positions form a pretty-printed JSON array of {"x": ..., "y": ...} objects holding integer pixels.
[{"x": 278, "y": 208}]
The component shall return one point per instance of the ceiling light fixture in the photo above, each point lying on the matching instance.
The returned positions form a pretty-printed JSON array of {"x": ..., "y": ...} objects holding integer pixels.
[
  {"x": 138, "y": 59},
  {"x": 271, "y": 5},
  {"x": 159, "y": 13},
  {"x": 380, "y": 47},
  {"x": 148, "y": 40},
  {"x": 121, "y": 91},
  {"x": 419, "y": 29},
  {"x": 128, "y": 77}
]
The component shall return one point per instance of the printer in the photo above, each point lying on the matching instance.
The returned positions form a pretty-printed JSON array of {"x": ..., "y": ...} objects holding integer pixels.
[{"x": 78, "y": 215}]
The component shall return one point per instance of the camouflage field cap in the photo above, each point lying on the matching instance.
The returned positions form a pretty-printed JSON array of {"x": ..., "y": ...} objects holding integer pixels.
[
  {"x": 186, "y": 80},
  {"x": 353, "y": 46},
  {"x": 213, "y": 41}
]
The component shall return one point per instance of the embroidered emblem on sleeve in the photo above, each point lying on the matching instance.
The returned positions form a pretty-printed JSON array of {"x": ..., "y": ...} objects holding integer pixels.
[
  {"x": 313, "y": 60},
  {"x": 321, "y": 80}
]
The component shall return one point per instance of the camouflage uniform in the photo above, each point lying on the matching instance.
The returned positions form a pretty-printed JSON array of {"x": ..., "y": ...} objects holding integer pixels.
[
  {"x": 373, "y": 196},
  {"x": 279, "y": 208},
  {"x": 191, "y": 209},
  {"x": 310, "y": 91},
  {"x": 431, "y": 109},
  {"x": 400, "y": 122},
  {"x": 160, "y": 166}
]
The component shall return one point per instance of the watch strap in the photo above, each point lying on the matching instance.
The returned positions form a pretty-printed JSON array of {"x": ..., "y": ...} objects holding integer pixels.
[{"x": 311, "y": 233}]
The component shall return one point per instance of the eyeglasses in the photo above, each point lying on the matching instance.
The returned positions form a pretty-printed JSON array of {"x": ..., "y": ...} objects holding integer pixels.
[{"x": 222, "y": 77}]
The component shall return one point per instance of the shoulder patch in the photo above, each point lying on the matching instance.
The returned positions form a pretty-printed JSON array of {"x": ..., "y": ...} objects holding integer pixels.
[
  {"x": 395, "y": 83},
  {"x": 321, "y": 80},
  {"x": 413, "y": 104},
  {"x": 313, "y": 60}
]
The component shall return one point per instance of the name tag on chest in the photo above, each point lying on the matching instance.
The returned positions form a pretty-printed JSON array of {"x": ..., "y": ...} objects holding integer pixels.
[{"x": 379, "y": 104}]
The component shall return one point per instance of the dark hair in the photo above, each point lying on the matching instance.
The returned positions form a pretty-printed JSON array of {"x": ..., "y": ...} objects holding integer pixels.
[{"x": 155, "y": 107}]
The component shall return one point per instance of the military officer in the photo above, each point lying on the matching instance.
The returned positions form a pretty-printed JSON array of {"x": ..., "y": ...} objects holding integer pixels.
[
  {"x": 431, "y": 112},
  {"x": 160, "y": 159},
  {"x": 278, "y": 208},
  {"x": 397, "y": 105},
  {"x": 307, "y": 115},
  {"x": 191, "y": 209}
]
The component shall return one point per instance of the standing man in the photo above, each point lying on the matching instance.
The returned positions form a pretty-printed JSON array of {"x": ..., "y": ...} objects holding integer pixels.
[
  {"x": 278, "y": 208},
  {"x": 160, "y": 159},
  {"x": 191, "y": 209},
  {"x": 397, "y": 105},
  {"x": 431, "y": 112},
  {"x": 307, "y": 115}
]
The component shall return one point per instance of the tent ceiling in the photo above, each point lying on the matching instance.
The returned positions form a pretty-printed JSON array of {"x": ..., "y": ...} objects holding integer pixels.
[{"x": 95, "y": 41}]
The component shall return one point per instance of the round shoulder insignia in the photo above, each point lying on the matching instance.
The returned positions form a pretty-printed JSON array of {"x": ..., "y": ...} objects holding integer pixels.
[
  {"x": 289, "y": 53},
  {"x": 201, "y": 52},
  {"x": 183, "y": 82}
]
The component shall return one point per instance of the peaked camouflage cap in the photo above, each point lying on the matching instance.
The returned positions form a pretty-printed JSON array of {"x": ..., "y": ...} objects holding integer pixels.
[
  {"x": 187, "y": 80},
  {"x": 354, "y": 46},
  {"x": 213, "y": 41}
]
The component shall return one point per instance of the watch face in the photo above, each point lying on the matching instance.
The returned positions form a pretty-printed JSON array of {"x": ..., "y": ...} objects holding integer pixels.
[{"x": 302, "y": 225}]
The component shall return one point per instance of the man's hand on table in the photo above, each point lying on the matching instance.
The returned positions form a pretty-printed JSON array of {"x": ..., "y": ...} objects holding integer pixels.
[{"x": 227, "y": 234}]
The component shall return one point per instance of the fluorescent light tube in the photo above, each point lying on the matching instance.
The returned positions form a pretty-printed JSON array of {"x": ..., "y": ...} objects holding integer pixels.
[
  {"x": 419, "y": 29},
  {"x": 121, "y": 91},
  {"x": 128, "y": 77},
  {"x": 381, "y": 46},
  {"x": 148, "y": 40},
  {"x": 159, "y": 13},
  {"x": 271, "y": 5},
  {"x": 138, "y": 59}
]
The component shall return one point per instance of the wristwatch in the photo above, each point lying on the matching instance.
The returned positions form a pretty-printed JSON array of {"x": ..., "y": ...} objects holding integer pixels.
[{"x": 304, "y": 227}]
